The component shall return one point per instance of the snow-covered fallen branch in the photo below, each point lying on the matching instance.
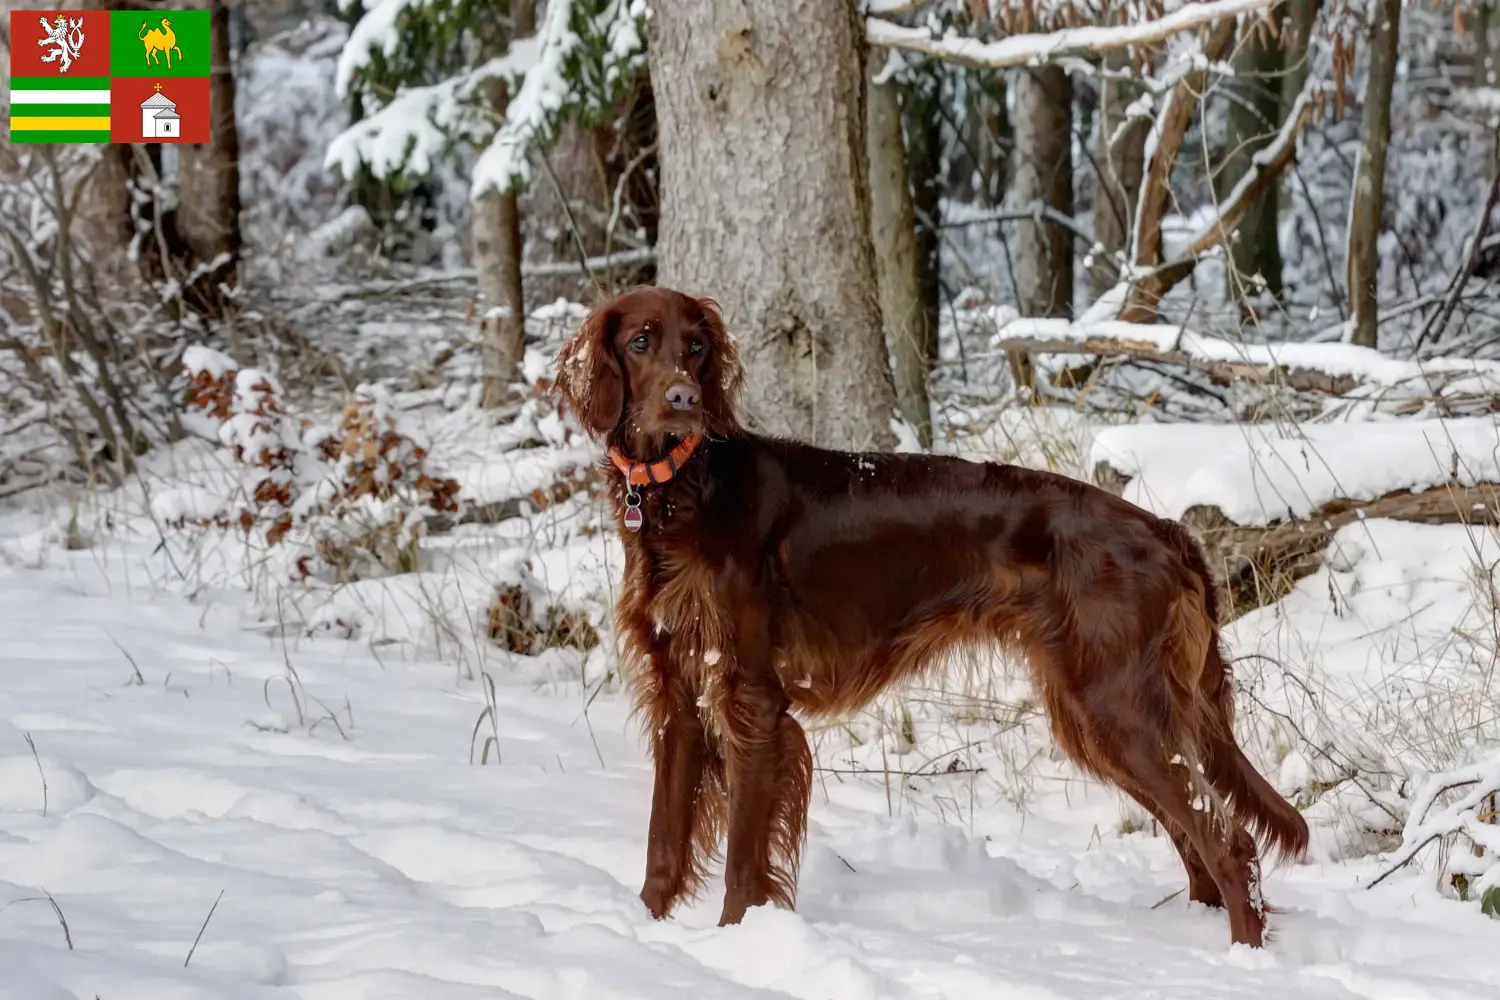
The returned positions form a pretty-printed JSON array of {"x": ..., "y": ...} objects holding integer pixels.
[
  {"x": 1043, "y": 47},
  {"x": 1333, "y": 369},
  {"x": 1472, "y": 815}
]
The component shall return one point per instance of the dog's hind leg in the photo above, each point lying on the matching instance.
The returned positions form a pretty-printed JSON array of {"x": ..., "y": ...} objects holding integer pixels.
[
  {"x": 1201, "y": 885},
  {"x": 1225, "y": 848}
]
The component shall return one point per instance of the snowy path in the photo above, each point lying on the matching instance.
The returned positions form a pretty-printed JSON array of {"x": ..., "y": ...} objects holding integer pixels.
[{"x": 387, "y": 866}]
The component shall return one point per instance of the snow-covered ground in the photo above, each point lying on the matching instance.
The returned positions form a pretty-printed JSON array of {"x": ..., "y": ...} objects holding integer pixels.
[{"x": 323, "y": 818}]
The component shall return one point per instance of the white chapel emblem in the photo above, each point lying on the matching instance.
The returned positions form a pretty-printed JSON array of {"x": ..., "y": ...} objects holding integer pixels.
[{"x": 159, "y": 118}]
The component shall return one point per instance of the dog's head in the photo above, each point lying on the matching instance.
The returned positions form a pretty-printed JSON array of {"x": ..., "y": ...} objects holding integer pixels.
[{"x": 651, "y": 365}]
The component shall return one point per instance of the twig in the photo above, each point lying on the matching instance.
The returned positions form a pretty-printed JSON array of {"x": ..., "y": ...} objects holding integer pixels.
[
  {"x": 1167, "y": 899},
  {"x": 47, "y": 898},
  {"x": 206, "y": 919},
  {"x": 898, "y": 774},
  {"x": 573, "y": 230},
  {"x": 37, "y": 757},
  {"x": 1439, "y": 319},
  {"x": 140, "y": 681}
]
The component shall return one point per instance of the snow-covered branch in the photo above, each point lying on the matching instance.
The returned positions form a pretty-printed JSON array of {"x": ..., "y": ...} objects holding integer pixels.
[
  {"x": 584, "y": 51},
  {"x": 544, "y": 92},
  {"x": 1472, "y": 815},
  {"x": 377, "y": 30},
  {"x": 421, "y": 122},
  {"x": 1268, "y": 164},
  {"x": 1043, "y": 47}
]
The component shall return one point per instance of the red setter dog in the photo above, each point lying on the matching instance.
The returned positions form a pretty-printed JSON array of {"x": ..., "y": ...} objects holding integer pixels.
[{"x": 763, "y": 575}]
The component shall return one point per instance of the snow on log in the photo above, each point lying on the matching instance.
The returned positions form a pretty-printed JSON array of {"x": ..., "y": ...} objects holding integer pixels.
[{"x": 1266, "y": 500}]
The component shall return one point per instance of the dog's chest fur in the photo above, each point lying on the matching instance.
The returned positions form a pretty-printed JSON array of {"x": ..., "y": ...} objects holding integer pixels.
[{"x": 675, "y": 626}]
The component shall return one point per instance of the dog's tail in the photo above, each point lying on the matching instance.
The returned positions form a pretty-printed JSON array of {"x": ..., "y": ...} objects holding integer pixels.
[{"x": 1201, "y": 694}]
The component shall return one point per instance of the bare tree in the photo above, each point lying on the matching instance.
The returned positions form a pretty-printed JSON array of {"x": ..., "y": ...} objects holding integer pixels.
[
  {"x": 1043, "y": 176},
  {"x": 207, "y": 218},
  {"x": 765, "y": 204},
  {"x": 495, "y": 232},
  {"x": 1369, "y": 172},
  {"x": 924, "y": 154},
  {"x": 1296, "y": 36},
  {"x": 893, "y": 230},
  {"x": 1254, "y": 119},
  {"x": 1122, "y": 158}
]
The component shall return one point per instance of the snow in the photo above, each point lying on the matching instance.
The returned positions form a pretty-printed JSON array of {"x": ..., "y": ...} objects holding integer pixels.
[
  {"x": 1373, "y": 673},
  {"x": 321, "y": 800},
  {"x": 1262, "y": 473}
]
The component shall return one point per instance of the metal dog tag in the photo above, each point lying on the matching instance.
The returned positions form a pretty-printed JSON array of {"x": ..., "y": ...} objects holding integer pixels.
[{"x": 634, "y": 519}]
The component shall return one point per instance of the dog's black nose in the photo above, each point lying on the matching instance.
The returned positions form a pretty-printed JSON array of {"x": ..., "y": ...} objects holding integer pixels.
[{"x": 682, "y": 395}]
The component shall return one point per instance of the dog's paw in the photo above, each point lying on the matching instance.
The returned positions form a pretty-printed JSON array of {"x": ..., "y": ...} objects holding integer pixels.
[{"x": 658, "y": 896}]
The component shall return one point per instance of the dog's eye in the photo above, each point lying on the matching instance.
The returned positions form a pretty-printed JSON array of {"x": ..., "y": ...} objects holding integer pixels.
[
  {"x": 696, "y": 347},
  {"x": 640, "y": 344}
]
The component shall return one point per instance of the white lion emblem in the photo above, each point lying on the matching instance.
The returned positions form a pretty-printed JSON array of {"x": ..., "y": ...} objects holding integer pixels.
[{"x": 66, "y": 39}]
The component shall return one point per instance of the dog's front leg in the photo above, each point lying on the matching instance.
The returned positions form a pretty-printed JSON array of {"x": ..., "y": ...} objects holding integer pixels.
[
  {"x": 687, "y": 802},
  {"x": 770, "y": 782}
]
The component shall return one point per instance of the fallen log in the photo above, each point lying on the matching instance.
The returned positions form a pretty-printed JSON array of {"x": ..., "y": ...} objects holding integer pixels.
[
  {"x": 1256, "y": 565},
  {"x": 1219, "y": 372}
]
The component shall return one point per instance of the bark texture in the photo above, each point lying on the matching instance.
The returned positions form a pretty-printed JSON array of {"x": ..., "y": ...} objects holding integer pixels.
[
  {"x": 1369, "y": 174},
  {"x": 765, "y": 205},
  {"x": 1043, "y": 172},
  {"x": 893, "y": 230}
]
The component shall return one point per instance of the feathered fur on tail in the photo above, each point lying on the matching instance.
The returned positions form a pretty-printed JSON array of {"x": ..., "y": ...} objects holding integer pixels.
[{"x": 1201, "y": 692}]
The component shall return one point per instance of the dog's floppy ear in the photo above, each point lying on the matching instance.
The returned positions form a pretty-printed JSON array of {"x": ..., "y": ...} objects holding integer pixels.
[
  {"x": 723, "y": 377},
  {"x": 589, "y": 381}
]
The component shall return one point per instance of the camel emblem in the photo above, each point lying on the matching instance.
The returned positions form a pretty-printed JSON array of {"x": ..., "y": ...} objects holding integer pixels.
[{"x": 159, "y": 40}]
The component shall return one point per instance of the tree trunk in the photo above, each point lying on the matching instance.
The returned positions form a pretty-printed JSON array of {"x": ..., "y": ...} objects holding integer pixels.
[
  {"x": 1122, "y": 159},
  {"x": 893, "y": 230},
  {"x": 1484, "y": 74},
  {"x": 765, "y": 205},
  {"x": 496, "y": 249},
  {"x": 207, "y": 217},
  {"x": 1000, "y": 139},
  {"x": 1295, "y": 38},
  {"x": 924, "y": 153},
  {"x": 1255, "y": 116},
  {"x": 1043, "y": 173},
  {"x": 1369, "y": 175}
]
